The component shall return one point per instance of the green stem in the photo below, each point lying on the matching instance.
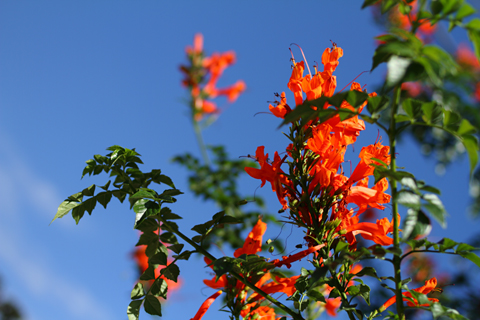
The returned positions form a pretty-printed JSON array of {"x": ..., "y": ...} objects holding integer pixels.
[
  {"x": 393, "y": 186},
  {"x": 201, "y": 144},
  {"x": 237, "y": 276}
]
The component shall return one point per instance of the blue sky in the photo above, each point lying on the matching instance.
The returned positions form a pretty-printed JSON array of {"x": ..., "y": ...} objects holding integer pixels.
[{"x": 79, "y": 76}]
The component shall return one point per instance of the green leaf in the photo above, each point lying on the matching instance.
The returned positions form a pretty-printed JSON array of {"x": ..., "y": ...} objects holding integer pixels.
[
  {"x": 470, "y": 256},
  {"x": 137, "y": 291},
  {"x": 470, "y": 143},
  {"x": 158, "y": 258},
  {"x": 148, "y": 274},
  {"x": 397, "y": 67},
  {"x": 64, "y": 208},
  {"x": 177, "y": 248},
  {"x": 413, "y": 108},
  {"x": 432, "y": 112},
  {"x": 146, "y": 238},
  {"x": 133, "y": 310},
  {"x": 377, "y": 104},
  {"x": 143, "y": 209},
  {"x": 465, "y": 11},
  {"x": 415, "y": 224},
  {"x": 367, "y": 271},
  {"x": 474, "y": 36},
  {"x": 166, "y": 180},
  {"x": 409, "y": 199},
  {"x": 159, "y": 288},
  {"x": 171, "y": 272},
  {"x": 436, "y": 208},
  {"x": 466, "y": 128},
  {"x": 168, "y": 237},
  {"x": 152, "y": 306},
  {"x": 104, "y": 198},
  {"x": 316, "y": 295},
  {"x": 367, "y": 3},
  {"x": 222, "y": 266}
]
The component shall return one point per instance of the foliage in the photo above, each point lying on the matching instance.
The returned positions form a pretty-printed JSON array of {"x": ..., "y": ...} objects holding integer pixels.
[{"x": 308, "y": 179}]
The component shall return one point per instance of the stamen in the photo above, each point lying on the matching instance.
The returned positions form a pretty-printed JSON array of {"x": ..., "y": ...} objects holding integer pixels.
[
  {"x": 304, "y": 59},
  {"x": 353, "y": 80},
  {"x": 293, "y": 58}
]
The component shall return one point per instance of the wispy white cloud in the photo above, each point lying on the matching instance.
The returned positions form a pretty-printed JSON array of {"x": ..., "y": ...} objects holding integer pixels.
[
  {"x": 42, "y": 282},
  {"x": 19, "y": 182},
  {"x": 34, "y": 271}
]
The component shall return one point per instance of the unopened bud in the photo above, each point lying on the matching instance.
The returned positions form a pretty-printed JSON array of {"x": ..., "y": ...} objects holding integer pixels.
[
  {"x": 342, "y": 232},
  {"x": 271, "y": 249},
  {"x": 269, "y": 241}
]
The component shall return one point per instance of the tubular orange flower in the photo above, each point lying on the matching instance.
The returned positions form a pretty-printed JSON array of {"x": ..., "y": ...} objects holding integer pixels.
[
  {"x": 286, "y": 261},
  {"x": 365, "y": 166},
  {"x": 253, "y": 242},
  {"x": 271, "y": 173},
  {"x": 377, "y": 232},
  {"x": 205, "y": 305},
  {"x": 282, "y": 108},
  {"x": 429, "y": 286}
]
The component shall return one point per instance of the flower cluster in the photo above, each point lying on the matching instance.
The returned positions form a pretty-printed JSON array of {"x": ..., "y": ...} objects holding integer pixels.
[
  {"x": 201, "y": 77},
  {"x": 316, "y": 183}
]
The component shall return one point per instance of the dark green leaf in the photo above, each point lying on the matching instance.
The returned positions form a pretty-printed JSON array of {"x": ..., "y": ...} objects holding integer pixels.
[
  {"x": 171, "y": 272},
  {"x": 152, "y": 306},
  {"x": 367, "y": 271},
  {"x": 432, "y": 112},
  {"x": 159, "y": 288},
  {"x": 377, "y": 104},
  {"x": 177, "y": 248},
  {"x": 158, "y": 258},
  {"x": 148, "y": 274},
  {"x": 222, "y": 266},
  {"x": 168, "y": 237}
]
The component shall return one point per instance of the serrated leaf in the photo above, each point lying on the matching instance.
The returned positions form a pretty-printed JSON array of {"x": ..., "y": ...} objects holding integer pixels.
[
  {"x": 137, "y": 291},
  {"x": 152, "y": 306},
  {"x": 133, "y": 310},
  {"x": 222, "y": 266}
]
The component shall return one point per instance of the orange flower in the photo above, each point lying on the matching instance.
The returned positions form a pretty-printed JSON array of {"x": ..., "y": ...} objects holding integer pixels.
[
  {"x": 426, "y": 288},
  {"x": 205, "y": 305},
  {"x": 365, "y": 167},
  {"x": 377, "y": 232},
  {"x": 282, "y": 108},
  {"x": 197, "y": 45},
  {"x": 271, "y": 173},
  {"x": 365, "y": 197},
  {"x": 295, "y": 82},
  {"x": 297, "y": 256},
  {"x": 253, "y": 242}
]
